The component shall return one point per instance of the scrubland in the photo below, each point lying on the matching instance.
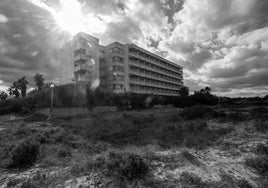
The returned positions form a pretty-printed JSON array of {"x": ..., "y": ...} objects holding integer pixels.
[{"x": 199, "y": 146}]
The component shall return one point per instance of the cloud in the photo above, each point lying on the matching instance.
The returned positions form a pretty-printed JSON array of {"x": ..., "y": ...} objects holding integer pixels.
[
  {"x": 27, "y": 42},
  {"x": 220, "y": 43},
  {"x": 3, "y": 18}
]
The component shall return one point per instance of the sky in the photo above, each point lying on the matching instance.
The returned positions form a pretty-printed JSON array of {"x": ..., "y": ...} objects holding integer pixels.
[{"x": 222, "y": 44}]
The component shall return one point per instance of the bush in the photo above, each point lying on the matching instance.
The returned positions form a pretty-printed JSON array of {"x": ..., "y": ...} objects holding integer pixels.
[
  {"x": 36, "y": 117},
  {"x": 262, "y": 149},
  {"x": 64, "y": 152},
  {"x": 171, "y": 135},
  {"x": 243, "y": 184},
  {"x": 259, "y": 112},
  {"x": 126, "y": 166},
  {"x": 260, "y": 164},
  {"x": 191, "y": 180},
  {"x": 24, "y": 154},
  {"x": 199, "y": 112},
  {"x": 190, "y": 157},
  {"x": 11, "y": 106},
  {"x": 261, "y": 125}
]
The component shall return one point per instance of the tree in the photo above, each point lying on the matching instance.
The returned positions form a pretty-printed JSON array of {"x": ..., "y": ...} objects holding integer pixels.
[
  {"x": 22, "y": 86},
  {"x": 39, "y": 81},
  {"x": 207, "y": 90},
  {"x": 19, "y": 85},
  {"x": 204, "y": 96},
  {"x": 184, "y": 92},
  {"x": 3, "y": 96},
  {"x": 14, "y": 90}
]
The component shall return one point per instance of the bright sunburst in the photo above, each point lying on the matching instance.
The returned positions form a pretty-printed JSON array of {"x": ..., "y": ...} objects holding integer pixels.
[{"x": 70, "y": 17}]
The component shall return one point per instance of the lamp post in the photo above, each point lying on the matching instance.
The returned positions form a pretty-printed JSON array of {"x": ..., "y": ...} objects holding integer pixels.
[{"x": 51, "y": 99}]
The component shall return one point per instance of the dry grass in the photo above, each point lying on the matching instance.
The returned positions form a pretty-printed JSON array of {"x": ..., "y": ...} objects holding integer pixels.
[{"x": 127, "y": 142}]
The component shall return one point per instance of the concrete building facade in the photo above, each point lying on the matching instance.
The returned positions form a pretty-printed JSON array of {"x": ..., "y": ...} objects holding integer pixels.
[{"x": 119, "y": 67}]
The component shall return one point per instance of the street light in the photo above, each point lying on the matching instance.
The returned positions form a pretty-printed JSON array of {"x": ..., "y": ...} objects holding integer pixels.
[{"x": 51, "y": 99}]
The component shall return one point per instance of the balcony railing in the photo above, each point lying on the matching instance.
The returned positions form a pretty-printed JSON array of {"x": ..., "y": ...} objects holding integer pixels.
[
  {"x": 134, "y": 54},
  {"x": 150, "y": 91},
  {"x": 136, "y": 64},
  {"x": 78, "y": 57},
  {"x": 83, "y": 68},
  {"x": 155, "y": 77},
  {"x": 151, "y": 84}
]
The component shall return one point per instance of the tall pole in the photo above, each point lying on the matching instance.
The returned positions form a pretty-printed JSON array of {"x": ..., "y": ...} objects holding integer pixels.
[{"x": 51, "y": 99}]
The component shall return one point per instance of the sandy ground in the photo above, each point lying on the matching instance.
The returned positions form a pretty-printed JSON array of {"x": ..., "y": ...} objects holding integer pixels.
[{"x": 209, "y": 163}]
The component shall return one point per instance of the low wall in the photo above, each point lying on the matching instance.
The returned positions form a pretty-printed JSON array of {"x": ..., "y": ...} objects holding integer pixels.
[{"x": 65, "y": 112}]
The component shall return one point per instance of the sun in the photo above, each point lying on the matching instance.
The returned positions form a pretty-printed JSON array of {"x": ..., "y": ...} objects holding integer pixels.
[{"x": 70, "y": 17}]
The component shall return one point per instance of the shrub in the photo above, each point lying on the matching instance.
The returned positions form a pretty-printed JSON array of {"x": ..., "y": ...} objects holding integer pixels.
[
  {"x": 24, "y": 154},
  {"x": 236, "y": 116},
  {"x": 259, "y": 112},
  {"x": 261, "y": 126},
  {"x": 194, "y": 126},
  {"x": 173, "y": 118},
  {"x": 13, "y": 182},
  {"x": 191, "y": 180},
  {"x": 191, "y": 158},
  {"x": 10, "y": 106},
  {"x": 36, "y": 117},
  {"x": 126, "y": 166},
  {"x": 199, "y": 112},
  {"x": 260, "y": 164},
  {"x": 243, "y": 184},
  {"x": 64, "y": 152},
  {"x": 192, "y": 141},
  {"x": 171, "y": 135},
  {"x": 262, "y": 149},
  {"x": 99, "y": 147},
  {"x": 77, "y": 169}
]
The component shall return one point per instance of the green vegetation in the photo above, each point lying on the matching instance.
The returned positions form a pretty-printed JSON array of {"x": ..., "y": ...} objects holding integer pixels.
[
  {"x": 24, "y": 154},
  {"x": 39, "y": 81},
  {"x": 125, "y": 166},
  {"x": 121, "y": 147},
  {"x": 82, "y": 95},
  {"x": 260, "y": 162}
]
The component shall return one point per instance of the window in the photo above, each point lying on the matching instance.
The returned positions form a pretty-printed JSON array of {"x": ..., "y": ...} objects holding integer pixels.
[
  {"x": 117, "y": 59},
  {"x": 118, "y": 77},
  {"x": 117, "y": 50},
  {"x": 117, "y": 86},
  {"x": 79, "y": 51},
  {"x": 79, "y": 62},
  {"x": 118, "y": 68}
]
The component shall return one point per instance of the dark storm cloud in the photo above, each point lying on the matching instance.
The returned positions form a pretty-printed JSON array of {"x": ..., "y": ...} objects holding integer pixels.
[
  {"x": 220, "y": 43},
  {"x": 27, "y": 41},
  {"x": 258, "y": 18},
  {"x": 104, "y": 7}
]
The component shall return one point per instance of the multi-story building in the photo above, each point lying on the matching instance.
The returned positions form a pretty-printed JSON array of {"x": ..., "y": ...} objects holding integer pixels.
[{"x": 119, "y": 67}]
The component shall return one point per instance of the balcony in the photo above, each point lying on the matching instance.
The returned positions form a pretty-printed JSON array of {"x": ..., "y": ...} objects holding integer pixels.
[
  {"x": 156, "y": 69},
  {"x": 156, "y": 63},
  {"x": 154, "y": 74},
  {"x": 150, "y": 91},
  {"x": 152, "y": 84},
  {"x": 82, "y": 68},
  {"x": 81, "y": 57},
  {"x": 157, "y": 78}
]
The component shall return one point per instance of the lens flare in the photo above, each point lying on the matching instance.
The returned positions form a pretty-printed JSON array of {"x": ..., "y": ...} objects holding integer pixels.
[{"x": 70, "y": 17}]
